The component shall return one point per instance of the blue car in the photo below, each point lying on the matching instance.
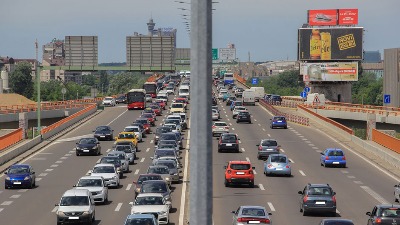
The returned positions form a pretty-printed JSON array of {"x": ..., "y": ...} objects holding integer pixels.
[
  {"x": 277, "y": 164},
  {"x": 333, "y": 157},
  {"x": 140, "y": 219},
  {"x": 278, "y": 121},
  {"x": 20, "y": 175}
]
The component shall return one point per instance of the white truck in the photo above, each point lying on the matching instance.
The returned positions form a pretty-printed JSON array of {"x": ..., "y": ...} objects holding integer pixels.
[
  {"x": 259, "y": 93},
  {"x": 248, "y": 97}
]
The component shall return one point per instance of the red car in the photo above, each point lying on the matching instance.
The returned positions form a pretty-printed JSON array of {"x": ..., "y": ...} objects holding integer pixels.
[
  {"x": 239, "y": 172},
  {"x": 161, "y": 103},
  {"x": 146, "y": 124},
  {"x": 156, "y": 109},
  {"x": 150, "y": 117}
]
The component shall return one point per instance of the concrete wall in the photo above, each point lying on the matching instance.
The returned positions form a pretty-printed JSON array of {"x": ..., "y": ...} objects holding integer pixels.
[
  {"x": 391, "y": 77},
  {"x": 386, "y": 118},
  {"x": 333, "y": 90},
  {"x": 7, "y": 156},
  {"x": 44, "y": 114}
]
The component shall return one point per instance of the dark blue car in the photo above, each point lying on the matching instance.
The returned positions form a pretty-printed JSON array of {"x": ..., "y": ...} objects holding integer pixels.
[
  {"x": 278, "y": 121},
  {"x": 20, "y": 175},
  {"x": 333, "y": 157},
  {"x": 90, "y": 146}
]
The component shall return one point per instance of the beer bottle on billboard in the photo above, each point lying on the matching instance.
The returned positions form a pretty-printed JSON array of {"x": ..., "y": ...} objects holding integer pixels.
[
  {"x": 315, "y": 44},
  {"x": 326, "y": 46}
]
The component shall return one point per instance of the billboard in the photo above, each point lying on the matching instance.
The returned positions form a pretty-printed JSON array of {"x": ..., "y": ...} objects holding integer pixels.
[
  {"x": 348, "y": 17},
  {"x": 332, "y": 71},
  {"x": 322, "y": 17},
  {"x": 81, "y": 50},
  {"x": 227, "y": 53},
  {"x": 342, "y": 43}
]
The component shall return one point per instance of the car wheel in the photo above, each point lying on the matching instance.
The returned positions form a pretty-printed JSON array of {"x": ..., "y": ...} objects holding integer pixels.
[
  {"x": 344, "y": 165},
  {"x": 250, "y": 121},
  {"x": 58, "y": 222},
  {"x": 304, "y": 213},
  {"x": 251, "y": 184},
  {"x": 219, "y": 150},
  {"x": 396, "y": 199},
  {"x": 285, "y": 127},
  {"x": 77, "y": 154}
]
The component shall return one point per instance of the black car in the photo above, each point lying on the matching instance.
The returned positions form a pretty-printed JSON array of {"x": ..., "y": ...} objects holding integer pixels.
[
  {"x": 120, "y": 99},
  {"x": 275, "y": 99},
  {"x": 159, "y": 131},
  {"x": 243, "y": 117},
  {"x": 384, "y": 214},
  {"x": 115, "y": 161},
  {"x": 90, "y": 146},
  {"x": 230, "y": 100},
  {"x": 228, "y": 141},
  {"x": 318, "y": 198},
  {"x": 336, "y": 222},
  {"x": 156, "y": 186},
  {"x": 104, "y": 133},
  {"x": 214, "y": 101}
]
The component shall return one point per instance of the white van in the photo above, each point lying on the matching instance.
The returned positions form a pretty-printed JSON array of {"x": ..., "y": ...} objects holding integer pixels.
[
  {"x": 248, "y": 97},
  {"x": 259, "y": 92},
  {"x": 184, "y": 91}
]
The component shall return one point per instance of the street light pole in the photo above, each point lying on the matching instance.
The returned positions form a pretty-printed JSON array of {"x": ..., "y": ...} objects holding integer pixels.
[{"x": 38, "y": 88}]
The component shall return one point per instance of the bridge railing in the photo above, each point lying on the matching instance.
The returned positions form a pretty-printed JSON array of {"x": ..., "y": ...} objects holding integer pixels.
[
  {"x": 386, "y": 140},
  {"x": 290, "y": 117},
  {"x": 10, "y": 139}
]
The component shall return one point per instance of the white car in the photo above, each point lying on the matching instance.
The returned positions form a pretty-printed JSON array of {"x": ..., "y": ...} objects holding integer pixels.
[
  {"x": 215, "y": 115},
  {"x": 152, "y": 203},
  {"x": 148, "y": 98},
  {"x": 129, "y": 151},
  {"x": 174, "y": 127},
  {"x": 237, "y": 110},
  {"x": 136, "y": 130},
  {"x": 110, "y": 101},
  {"x": 124, "y": 159},
  {"x": 108, "y": 172},
  {"x": 96, "y": 186},
  {"x": 220, "y": 128}
]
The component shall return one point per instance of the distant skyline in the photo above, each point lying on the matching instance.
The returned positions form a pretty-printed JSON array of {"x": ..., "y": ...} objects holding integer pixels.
[{"x": 267, "y": 29}]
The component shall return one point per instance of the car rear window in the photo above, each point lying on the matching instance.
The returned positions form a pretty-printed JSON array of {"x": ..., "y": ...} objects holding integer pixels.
[
  {"x": 253, "y": 212},
  {"x": 229, "y": 137},
  {"x": 335, "y": 153},
  {"x": 269, "y": 143},
  {"x": 279, "y": 118},
  {"x": 390, "y": 212},
  {"x": 320, "y": 191},
  {"x": 335, "y": 222},
  {"x": 278, "y": 159},
  {"x": 240, "y": 166},
  {"x": 220, "y": 124}
]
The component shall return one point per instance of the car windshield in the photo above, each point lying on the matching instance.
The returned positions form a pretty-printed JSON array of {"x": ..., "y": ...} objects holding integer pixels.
[
  {"x": 149, "y": 200},
  {"x": 335, "y": 153},
  {"x": 102, "y": 129},
  {"x": 229, "y": 137},
  {"x": 269, "y": 143},
  {"x": 163, "y": 130},
  {"x": 319, "y": 191},
  {"x": 139, "y": 221},
  {"x": 124, "y": 148},
  {"x": 74, "y": 200},
  {"x": 253, "y": 212},
  {"x": 279, "y": 118},
  {"x": 131, "y": 129},
  {"x": 168, "y": 137},
  {"x": 184, "y": 90},
  {"x": 240, "y": 108},
  {"x": 240, "y": 166},
  {"x": 166, "y": 146},
  {"x": 89, "y": 183},
  {"x": 110, "y": 160},
  {"x": 146, "y": 115},
  {"x": 220, "y": 124},
  {"x": 158, "y": 170},
  {"x": 278, "y": 159},
  {"x": 154, "y": 188},
  {"x": 390, "y": 212},
  {"x": 18, "y": 170},
  {"x": 87, "y": 141},
  {"x": 120, "y": 156},
  {"x": 177, "y": 105},
  {"x": 174, "y": 121},
  {"x": 148, "y": 177},
  {"x": 104, "y": 169},
  {"x": 171, "y": 125},
  {"x": 169, "y": 164},
  {"x": 108, "y": 99}
]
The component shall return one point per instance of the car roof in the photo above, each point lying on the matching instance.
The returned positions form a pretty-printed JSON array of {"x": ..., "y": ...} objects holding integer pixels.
[
  {"x": 318, "y": 185},
  {"x": 150, "y": 194},
  {"x": 388, "y": 206},
  {"x": 334, "y": 219},
  {"x": 140, "y": 216},
  {"x": 268, "y": 139},
  {"x": 154, "y": 181},
  {"x": 278, "y": 155},
  {"x": 116, "y": 152},
  {"x": 76, "y": 192},
  {"x": 252, "y": 206},
  {"x": 104, "y": 164},
  {"x": 239, "y": 162},
  {"x": 19, "y": 165},
  {"x": 149, "y": 174},
  {"x": 91, "y": 177},
  {"x": 334, "y": 149}
]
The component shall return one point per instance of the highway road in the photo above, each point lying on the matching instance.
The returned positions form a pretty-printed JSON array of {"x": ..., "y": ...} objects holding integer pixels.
[
  {"x": 359, "y": 187},
  {"x": 58, "y": 169}
]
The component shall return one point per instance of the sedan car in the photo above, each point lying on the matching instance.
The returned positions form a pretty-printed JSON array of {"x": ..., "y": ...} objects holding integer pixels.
[
  {"x": 267, "y": 147},
  {"x": 89, "y": 146},
  {"x": 152, "y": 203},
  {"x": 156, "y": 186},
  {"x": 108, "y": 172},
  {"x": 120, "y": 99},
  {"x": 336, "y": 222},
  {"x": 220, "y": 128},
  {"x": 104, "y": 133},
  {"x": 110, "y": 101},
  {"x": 139, "y": 219},
  {"x": 173, "y": 169},
  {"x": 278, "y": 121},
  {"x": 115, "y": 161},
  {"x": 20, "y": 175},
  {"x": 277, "y": 164},
  {"x": 163, "y": 171},
  {"x": 333, "y": 157},
  {"x": 243, "y": 117},
  {"x": 251, "y": 215},
  {"x": 129, "y": 151},
  {"x": 228, "y": 141},
  {"x": 384, "y": 214},
  {"x": 150, "y": 117},
  {"x": 145, "y": 177},
  {"x": 121, "y": 156},
  {"x": 317, "y": 198},
  {"x": 96, "y": 186}
]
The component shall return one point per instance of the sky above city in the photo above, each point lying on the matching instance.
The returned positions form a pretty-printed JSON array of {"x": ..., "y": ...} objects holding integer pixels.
[{"x": 264, "y": 29}]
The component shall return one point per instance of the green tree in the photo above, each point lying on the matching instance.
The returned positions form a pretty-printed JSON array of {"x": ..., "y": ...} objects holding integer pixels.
[
  {"x": 103, "y": 81},
  {"x": 124, "y": 81},
  {"x": 21, "y": 80},
  {"x": 89, "y": 80},
  {"x": 367, "y": 90}
]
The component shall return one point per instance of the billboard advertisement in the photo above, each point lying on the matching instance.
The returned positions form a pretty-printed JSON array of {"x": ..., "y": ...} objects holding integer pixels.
[
  {"x": 334, "y": 71},
  {"x": 322, "y": 17},
  {"x": 326, "y": 44},
  {"x": 348, "y": 17}
]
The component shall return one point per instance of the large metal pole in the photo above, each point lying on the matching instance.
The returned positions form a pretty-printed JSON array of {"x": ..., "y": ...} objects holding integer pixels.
[
  {"x": 201, "y": 173},
  {"x": 38, "y": 88}
]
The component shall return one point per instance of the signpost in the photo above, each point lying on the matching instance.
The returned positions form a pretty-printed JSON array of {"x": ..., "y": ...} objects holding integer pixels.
[
  {"x": 63, "y": 91},
  {"x": 303, "y": 94},
  {"x": 307, "y": 89},
  {"x": 254, "y": 81},
  {"x": 215, "y": 54},
  {"x": 386, "y": 99}
]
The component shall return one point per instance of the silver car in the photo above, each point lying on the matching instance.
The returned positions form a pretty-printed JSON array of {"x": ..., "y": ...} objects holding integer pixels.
[
  {"x": 277, "y": 164},
  {"x": 396, "y": 193},
  {"x": 249, "y": 214},
  {"x": 163, "y": 171},
  {"x": 152, "y": 203},
  {"x": 124, "y": 159},
  {"x": 173, "y": 169},
  {"x": 76, "y": 206},
  {"x": 220, "y": 128},
  {"x": 108, "y": 172},
  {"x": 215, "y": 115},
  {"x": 96, "y": 186},
  {"x": 129, "y": 151},
  {"x": 267, "y": 147}
]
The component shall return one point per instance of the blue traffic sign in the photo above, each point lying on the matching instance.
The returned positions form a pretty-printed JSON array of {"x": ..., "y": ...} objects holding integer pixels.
[
  {"x": 303, "y": 94},
  {"x": 386, "y": 99},
  {"x": 254, "y": 80},
  {"x": 307, "y": 89}
]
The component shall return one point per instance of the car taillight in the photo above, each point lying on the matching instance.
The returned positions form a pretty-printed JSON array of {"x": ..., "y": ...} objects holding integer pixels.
[
  {"x": 326, "y": 157},
  {"x": 334, "y": 199},
  {"x": 213, "y": 126},
  {"x": 344, "y": 158},
  {"x": 269, "y": 165},
  {"x": 267, "y": 221},
  {"x": 259, "y": 148},
  {"x": 287, "y": 166},
  {"x": 226, "y": 127},
  {"x": 305, "y": 198},
  {"x": 378, "y": 220}
]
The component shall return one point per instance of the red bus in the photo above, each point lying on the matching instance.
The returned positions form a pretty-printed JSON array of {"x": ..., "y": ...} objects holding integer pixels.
[
  {"x": 135, "y": 99},
  {"x": 151, "y": 88}
]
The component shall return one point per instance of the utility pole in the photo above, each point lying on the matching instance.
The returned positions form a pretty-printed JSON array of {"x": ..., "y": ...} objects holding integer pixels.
[{"x": 38, "y": 87}]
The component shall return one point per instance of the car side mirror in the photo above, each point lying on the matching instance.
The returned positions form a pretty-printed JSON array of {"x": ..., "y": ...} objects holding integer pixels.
[
  {"x": 217, "y": 138},
  {"x": 270, "y": 119},
  {"x": 5, "y": 172},
  {"x": 321, "y": 153},
  {"x": 233, "y": 212},
  {"x": 89, "y": 172},
  {"x": 253, "y": 167},
  {"x": 396, "y": 185},
  {"x": 93, "y": 131},
  {"x": 257, "y": 145},
  {"x": 300, "y": 192},
  {"x": 269, "y": 213},
  {"x": 224, "y": 167},
  {"x": 180, "y": 157},
  {"x": 76, "y": 143},
  {"x": 334, "y": 193},
  {"x": 368, "y": 213},
  {"x": 74, "y": 185}
]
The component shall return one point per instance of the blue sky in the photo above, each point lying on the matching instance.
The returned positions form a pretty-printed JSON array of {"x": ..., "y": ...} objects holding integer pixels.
[{"x": 265, "y": 28}]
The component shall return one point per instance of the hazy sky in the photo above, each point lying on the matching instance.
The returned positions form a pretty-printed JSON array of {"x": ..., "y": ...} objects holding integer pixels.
[{"x": 265, "y": 28}]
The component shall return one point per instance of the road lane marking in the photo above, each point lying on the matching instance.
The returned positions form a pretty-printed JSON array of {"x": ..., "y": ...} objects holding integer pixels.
[
  {"x": 230, "y": 124},
  {"x": 255, "y": 172},
  {"x": 304, "y": 139},
  {"x": 269, "y": 135},
  {"x": 358, "y": 182},
  {"x": 64, "y": 157},
  {"x": 38, "y": 179},
  {"x": 344, "y": 171},
  {"x": 233, "y": 128},
  {"x": 298, "y": 134},
  {"x": 183, "y": 195},
  {"x": 291, "y": 160},
  {"x": 23, "y": 190},
  {"x": 73, "y": 138},
  {"x": 259, "y": 125},
  {"x": 49, "y": 170},
  {"x": 6, "y": 203},
  {"x": 151, "y": 141},
  {"x": 43, "y": 174},
  {"x": 55, "y": 209},
  {"x": 307, "y": 142},
  {"x": 337, "y": 211},
  {"x": 15, "y": 196},
  {"x": 73, "y": 151},
  {"x": 147, "y": 149},
  {"x": 117, "y": 117},
  {"x": 351, "y": 177},
  {"x": 255, "y": 120},
  {"x": 108, "y": 150},
  {"x": 1, "y": 209},
  {"x": 282, "y": 150},
  {"x": 142, "y": 160},
  {"x": 59, "y": 161},
  {"x": 314, "y": 147},
  {"x": 375, "y": 195},
  {"x": 319, "y": 151},
  {"x": 267, "y": 111},
  {"x": 118, "y": 207},
  {"x": 240, "y": 141},
  {"x": 228, "y": 119},
  {"x": 247, "y": 159},
  {"x": 243, "y": 150},
  {"x": 271, "y": 206},
  {"x": 261, "y": 187},
  {"x": 301, "y": 136},
  {"x": 128, "y": 187},
  {"x": 311, "y": 145},
  {"x": 302, "y": 173},
  {"x": 137, "y": 171},
  {"x": 263, "y": 129}
]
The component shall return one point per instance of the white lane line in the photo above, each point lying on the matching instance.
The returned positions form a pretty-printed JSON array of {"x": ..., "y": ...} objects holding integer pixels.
[
  {"x": 118, "y": 207},
  {"x": 64, "y": 158},
  {"x": 314, "y": 147},
  {"x": 43, "y": 174},
  {"x": 267, "y": 111},
  {"x": 23, "y": 190},
  {"x": 228, "y": 119},
  {"x": 59, "y": 161},
  {"x": 233, "y": 128},
  {"x": 302, "y": 173},
  {"x": 247, "y": 159},
  {"x": 358, "y": 182},
  {"x": 261, "y": 187},
  {"x": 108, "y": 150},
  {"x": 271, "y": 206},
  {"x": 226, "y": 115},
  {"x": 1, "y": 209},
  {"x": 230, "y": 124},
  {"x": 375, "y": 195},
  {"x": 282, "y": 150},
  {"x": 49, "y": 170},
  {"x": 304, "y": 139},
  {"x": 163, "y": 119},
  {"x": 291, "y": 160},
  {"x": 319, "y": 151},
  {"x": 137, "y": 171},
  {"x": 243, "y": 150},
  {"x": 6, "y": 203},
  {"x": 142, "y": 160},
  {"x": 117, "y": 117},
  {"x": 66, "y": 155},
  {"x": 337, "y": 211},
  {"x": 98, "y": 161},
  {"x": 269, "y": 135},
  {"x": 55, "y": 209},
  {"x": 128, "y": 187},
  {"x": 259, "y": 125},
  {"x": 344, "y": 171},
  {"x": 307, "y": 142},
  {"x": 301, "y": 136},
  {"x": 264, "y": 129},
  {"x": 15, "y": 196},
  {"x": 290, "y": 128},
  {"x": 183, "y": 196},
  {"x": 73, "y": 151},
  {"x": 311, "y": 145},
  {"x": 147, "y": 149},
  {"x": 151, "y": 141},
  {"x": 38, "y": 159},
  {"x": 351, "y": 177},
  {"x": 298, "y": 134},
  {"x": 38, "y": 179},
  {"x": 2, "y": 191},
  {"x": 255, "y": 120}
]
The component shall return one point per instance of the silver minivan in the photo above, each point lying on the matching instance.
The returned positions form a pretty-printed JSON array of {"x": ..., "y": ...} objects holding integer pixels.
[{"x": 76, "y": 206}]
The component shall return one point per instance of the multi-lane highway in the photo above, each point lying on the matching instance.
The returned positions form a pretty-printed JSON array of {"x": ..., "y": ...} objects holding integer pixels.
[{"x": 58, "y": 169}]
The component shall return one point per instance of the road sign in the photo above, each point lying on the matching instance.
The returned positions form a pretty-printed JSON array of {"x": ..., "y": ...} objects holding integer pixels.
[
  {"x": 63, "y": 90},
  {"x": 227, "y": 53},
  {"x": 303, "y": 94},
  {"x": 307, "y": 89},
  {"x": 386, "y": 99},
  {"x": 223, "y": 72},
  {"x": 316, "y": 100},
  {"x": 254, "y": 80},
  {"x": 214, "y": 53}
]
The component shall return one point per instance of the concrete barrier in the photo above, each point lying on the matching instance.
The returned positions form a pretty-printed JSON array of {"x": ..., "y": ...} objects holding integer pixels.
[{"x": 19, "y": 149}]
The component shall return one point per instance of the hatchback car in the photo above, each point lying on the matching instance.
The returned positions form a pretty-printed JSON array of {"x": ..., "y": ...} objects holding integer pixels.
[
  {"x": 173, "y": 169},
  {"x": 108, "y": 172},
  {"x": 220, "y": 128},
  {"x": 228, "y": 141},
  {"x": 160, "y": 130},
  {"x": 76, "y": 206},
  {"x": 384, "y": 214},
  {"x": 278, "y": 121},
  {"x": 90, "y": 146},
  {"x": 318, "y": 198},
  {"x": 145, "y": 177},
  {"x": 163, "y": 171},
  {"x": 120, "y": 99},
  {"x": 333, "y": 157},
  {"x": 156, "y": 186},
  {"x": 267, "y": 147},
  {"x": 251, "y": 215},
  {"x": 96, "y": 186},
  {"x": 239, "y": 172},
  {"x": 243, "y": 117},
  {"x": 278, "y": 164},
  {"x": 104, "y": 133},
  {"x": 20, "y": 175},
  {"x": 140, "y": 219}
]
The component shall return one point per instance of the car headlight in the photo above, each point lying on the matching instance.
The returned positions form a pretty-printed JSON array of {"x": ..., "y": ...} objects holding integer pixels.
[
  {"x": 8, "y": 178},
  {"x": 60, "y": 213},
  {"x": 167, "y": 179},
  {"x": 78, "y": 148},
  {"x": 86, "y": 213},
  {"x": 27, "y": 178},
  {"x": 167, "y": 198},
  {"x": 114, "y": 177},
  {"x": 163, "y": 213},
  {"x": 137, "y": 190}
]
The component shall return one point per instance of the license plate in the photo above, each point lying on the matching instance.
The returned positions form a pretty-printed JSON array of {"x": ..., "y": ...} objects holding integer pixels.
[
  {"x": 240, "y": 173},
  {"x": 102, "y": 136},
  {"x": 17, "y": 182},
  {"x": 320, "y": 203},
  {"x": 279, "y": 121},
  {"x": 85, "y": 150},
  {"x": 279, "y": 169},
  {"x": 73, "y": 218},
  {"x": 254, "y": 222},
  {"x": 228, "y": 144},
  {"x": 335, "y": 163},
  {"x": 269, "y": 149}
]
